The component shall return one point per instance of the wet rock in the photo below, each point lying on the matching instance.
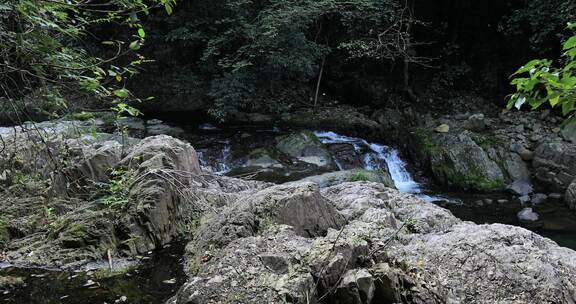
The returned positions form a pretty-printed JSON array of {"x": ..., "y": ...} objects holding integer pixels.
[
  {"x": 306, "y": 147},
  {"x": 529, "y": 218},
  {"x": 538, "y": 198},
  {"x": 570, "y": 196},
  {"x": 524, "y": 199},
  {"x": 345, "y": 156},
  {"x": 339, "y": 177},
  {"x": 520, "y": 188},
  {"x": 555, "y": 196}
]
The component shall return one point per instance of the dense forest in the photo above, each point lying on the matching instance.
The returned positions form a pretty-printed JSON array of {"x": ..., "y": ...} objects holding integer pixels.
[
  {"x": 287, "y": 151},
  {"x": 272, "y": 56}
]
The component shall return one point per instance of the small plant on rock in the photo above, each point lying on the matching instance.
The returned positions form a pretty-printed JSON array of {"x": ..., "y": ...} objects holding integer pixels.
[{"x": 117, "y": 189}]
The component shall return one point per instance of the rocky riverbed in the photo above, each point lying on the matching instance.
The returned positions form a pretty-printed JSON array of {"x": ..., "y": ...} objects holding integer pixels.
[{"x": 73, "y": 194}]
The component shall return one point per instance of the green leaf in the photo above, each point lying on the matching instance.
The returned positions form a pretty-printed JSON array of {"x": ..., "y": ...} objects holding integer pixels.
[
  {"x": 571, "y": 43},
  {"x": 554, "y": 101},
  {"x": 122, "y": 93},
  {"x": 135, "y": 45},
  {"x": 141, "y": 33}
]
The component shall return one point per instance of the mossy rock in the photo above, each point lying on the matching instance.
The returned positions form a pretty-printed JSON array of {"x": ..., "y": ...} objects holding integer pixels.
[
  {"x": 75, "y": 236},
  {"x": 355, "y": 175},
  {"x": 460, "y": 160}
]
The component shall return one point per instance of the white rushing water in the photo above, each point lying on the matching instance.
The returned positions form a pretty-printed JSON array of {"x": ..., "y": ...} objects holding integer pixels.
[
  {"x": 374, "y": 156},
  {"x": 221, "y": 163}
]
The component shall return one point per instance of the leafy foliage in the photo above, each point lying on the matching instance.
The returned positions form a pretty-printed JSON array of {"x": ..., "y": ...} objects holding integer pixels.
[
  {"x": 540, "y": 82},
  {"x": 45, "y": 45},
  {"x": 541, "y": 20},
  {"x": 268, "y": 55},
  {"x": 117, "y": 189}
]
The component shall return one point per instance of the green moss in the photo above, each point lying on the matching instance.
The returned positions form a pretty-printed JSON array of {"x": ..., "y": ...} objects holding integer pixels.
[
  {"x": 425, "y": 141},
  {"x": 75, "y": 236},
  {"x": 359, "y": 176},
  {"x": 83, "y": 116},
  {"x": 472, "y": 179}
]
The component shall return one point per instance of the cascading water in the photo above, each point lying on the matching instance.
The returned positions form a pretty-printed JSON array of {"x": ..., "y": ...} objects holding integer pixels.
[
  {"x": 220, "y": 163},
  {"x": 223, "y": 163},
  {"x": 374, "y": 155}
]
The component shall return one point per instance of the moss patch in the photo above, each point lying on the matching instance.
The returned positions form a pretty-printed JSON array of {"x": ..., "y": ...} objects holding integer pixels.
[
  {"x": 425, "y": 141},
  {"x": 473, "y": 179}
]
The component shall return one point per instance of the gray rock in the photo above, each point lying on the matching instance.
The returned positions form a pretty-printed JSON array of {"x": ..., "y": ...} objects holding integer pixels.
[
  {"x": 520, "y": 188},
  {"x": 503, "y": 263},
  {"x": 527, "y": 215},
  {"x": 163, "y": 152},
  {"x": 569, "y": 133},
  {"x": 526, "y": 154},
  {"x": 555, "y": 165},
  {"x": 262, "y": 158},
  {"x": 475, "y": 123},
  {"x": 522, "y": 268},
  {"x": 524, "y": 199},
  {"x": 538, "y": 198},
  {"x": 345, "y": 156},
  {"x": 339, "y": 177},
  {"x": 356, "y": 287},
  {"x": 306, "y": 147}
]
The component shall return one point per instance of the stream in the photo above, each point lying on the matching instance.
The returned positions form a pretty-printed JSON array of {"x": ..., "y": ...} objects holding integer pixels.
[{"x": 225, "y": 150}]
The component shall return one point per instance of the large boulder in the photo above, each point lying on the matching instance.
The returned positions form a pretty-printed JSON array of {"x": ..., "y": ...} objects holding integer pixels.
[
  {"x": 483, "y": 264},
  {"x": 297, "y": 204},
  {"x": 163, "y": 152},
  {"x": 393, "y": 247},
  {"x": 555, "y": 165},
  {"x": 458, "y": 160}
]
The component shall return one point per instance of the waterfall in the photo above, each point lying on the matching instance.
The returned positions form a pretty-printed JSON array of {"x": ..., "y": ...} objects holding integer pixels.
[
  {"x": 373, "y": 155},
  {"x": 223, "y": 163},
  {"x": 220, "y": 163}
]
